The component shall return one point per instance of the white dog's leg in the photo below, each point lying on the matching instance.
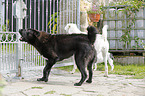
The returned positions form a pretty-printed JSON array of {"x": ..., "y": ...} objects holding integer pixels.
[
  {"x": 75, "y": 67},
  {"x": 110, "y": 60},
  {"x": 99, "y": 60},
  {"x": 95, "y": 66},
  {"x": 111, "y": 63},
  {"x": 106, "y": 67},
  {"x": 105, "y": 61}
]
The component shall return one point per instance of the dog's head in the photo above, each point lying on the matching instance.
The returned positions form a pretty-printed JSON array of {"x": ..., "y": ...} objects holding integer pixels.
[
  {"x": 69, "y": 27},
  {"x": 92, "y": 30},
  {"x": 28, "y": 35}
]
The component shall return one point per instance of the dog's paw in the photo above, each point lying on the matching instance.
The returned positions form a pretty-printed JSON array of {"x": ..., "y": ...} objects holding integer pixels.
[
  {"x": 42, "y": 79},
  {"x": 89, "y": 81},
  {"x": 72, "y": 72},
  {"x": 106, "y": 76},
  {"x": 77, "y": 84},
  {"x": 95, "y": 69}
]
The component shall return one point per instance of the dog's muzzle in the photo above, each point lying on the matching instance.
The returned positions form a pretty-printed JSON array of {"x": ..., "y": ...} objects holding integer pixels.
[{"x": 22, "y": 39}]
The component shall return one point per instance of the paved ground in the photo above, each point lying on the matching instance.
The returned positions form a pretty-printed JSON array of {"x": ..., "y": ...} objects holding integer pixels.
[{"x": 61, "y": 84}]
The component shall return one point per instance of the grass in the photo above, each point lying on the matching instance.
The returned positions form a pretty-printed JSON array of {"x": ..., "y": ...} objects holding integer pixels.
[
  {"x": 136, "y": 71},
  {"x": 35, "y": 95},
  {"x": 37, "y": 87},
  {"x": 67, "y": 68},
  {"x": 65, "y": 94},
  {"x": 50, "y": 92}
]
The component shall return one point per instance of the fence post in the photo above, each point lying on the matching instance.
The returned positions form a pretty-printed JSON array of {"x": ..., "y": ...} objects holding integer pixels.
[
  {"x": 78, "y": 13},
  {"x": 19, "y": 10},
  {"x": 2, "y": 6}
]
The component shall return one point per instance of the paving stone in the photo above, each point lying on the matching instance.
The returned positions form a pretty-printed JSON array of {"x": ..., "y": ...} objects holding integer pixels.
[{"x": 61, "y": 83}]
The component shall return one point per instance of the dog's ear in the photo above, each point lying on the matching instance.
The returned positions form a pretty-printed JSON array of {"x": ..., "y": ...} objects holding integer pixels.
[{"x": 35, "y": 32}]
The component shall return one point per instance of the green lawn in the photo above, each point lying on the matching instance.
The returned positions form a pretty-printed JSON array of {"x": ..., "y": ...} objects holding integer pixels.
[{"x": 137, "y": 71}]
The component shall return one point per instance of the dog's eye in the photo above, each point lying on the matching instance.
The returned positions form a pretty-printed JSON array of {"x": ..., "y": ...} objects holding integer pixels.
[{"x": 29, "y": 34}]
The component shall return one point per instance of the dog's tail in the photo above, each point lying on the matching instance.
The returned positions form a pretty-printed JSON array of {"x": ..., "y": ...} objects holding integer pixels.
[
  {"x": 104, "y": 31},
  {"x": 92, "y": 31}
]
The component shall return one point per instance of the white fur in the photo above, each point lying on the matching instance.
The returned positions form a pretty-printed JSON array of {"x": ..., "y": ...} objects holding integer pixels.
[
  {"x": 101, "y": 45},
  {"x": 72, "y": 29}
]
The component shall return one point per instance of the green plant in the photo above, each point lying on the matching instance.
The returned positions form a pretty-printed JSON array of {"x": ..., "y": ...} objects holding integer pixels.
[
  {"x": 137, "y": 41},
  {"x": 131, "y": 9},
  {"x": 5, "y": 27},
  {"x": 95, "y": 10},
  {"x": 53, "y": 23},
  {"x": 7, "y": 36}
]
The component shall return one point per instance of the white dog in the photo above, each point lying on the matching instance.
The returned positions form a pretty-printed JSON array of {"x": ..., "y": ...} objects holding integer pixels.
[
  {"x": 101, "y": 45},
  {"x": 72, "y": 29}
]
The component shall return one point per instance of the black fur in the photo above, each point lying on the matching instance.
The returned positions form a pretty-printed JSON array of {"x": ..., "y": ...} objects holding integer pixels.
[
  {"x": 58, "y": 47},
  {"x": 91, "y": 31}
]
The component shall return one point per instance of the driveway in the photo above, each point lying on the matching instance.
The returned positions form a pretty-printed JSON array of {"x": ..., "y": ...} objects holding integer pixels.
[{"x": 61, "y": 84}]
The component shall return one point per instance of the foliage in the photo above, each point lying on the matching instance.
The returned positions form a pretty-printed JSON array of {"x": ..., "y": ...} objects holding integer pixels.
[
  {"x": 95, "y": 9},
  {"x": 131, "y": 9},
  {"x": 5, "y": 27},
  {"x": 134, "y": 4},
  {"x": 53, "y": 23},
  {"x": 137, "y": 41},
  {"x": 6, "y": 36}
]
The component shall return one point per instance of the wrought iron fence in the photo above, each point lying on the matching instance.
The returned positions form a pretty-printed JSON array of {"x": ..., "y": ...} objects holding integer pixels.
[
  {"x": 9, "y": 53},
  {"x": 8, "y": 43},
  {"x": 46, "y": 15}
]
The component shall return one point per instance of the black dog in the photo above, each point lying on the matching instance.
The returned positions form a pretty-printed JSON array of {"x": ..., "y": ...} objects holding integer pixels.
[{"x": 58, "y": 47}]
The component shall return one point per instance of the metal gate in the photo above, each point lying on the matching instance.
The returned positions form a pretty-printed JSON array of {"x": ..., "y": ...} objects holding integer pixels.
[{"x": 44, "y": 15}]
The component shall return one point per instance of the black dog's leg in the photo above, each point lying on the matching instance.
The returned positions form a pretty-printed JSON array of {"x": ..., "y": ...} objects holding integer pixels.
[
  {"x": 83, "y": 77},
  {"x": 46, "y": 70},
  {"x": 90, "y": 72},
  {"x": 90, "y": 68},
  {"x": 81, "y": 66}
]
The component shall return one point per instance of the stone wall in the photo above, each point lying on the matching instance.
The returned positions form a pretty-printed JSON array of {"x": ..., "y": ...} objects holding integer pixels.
[{"x": 125, "y": 60}]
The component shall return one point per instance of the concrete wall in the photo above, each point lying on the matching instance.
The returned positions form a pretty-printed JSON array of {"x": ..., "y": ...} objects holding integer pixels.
[{"x": 125, "y": 60}]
